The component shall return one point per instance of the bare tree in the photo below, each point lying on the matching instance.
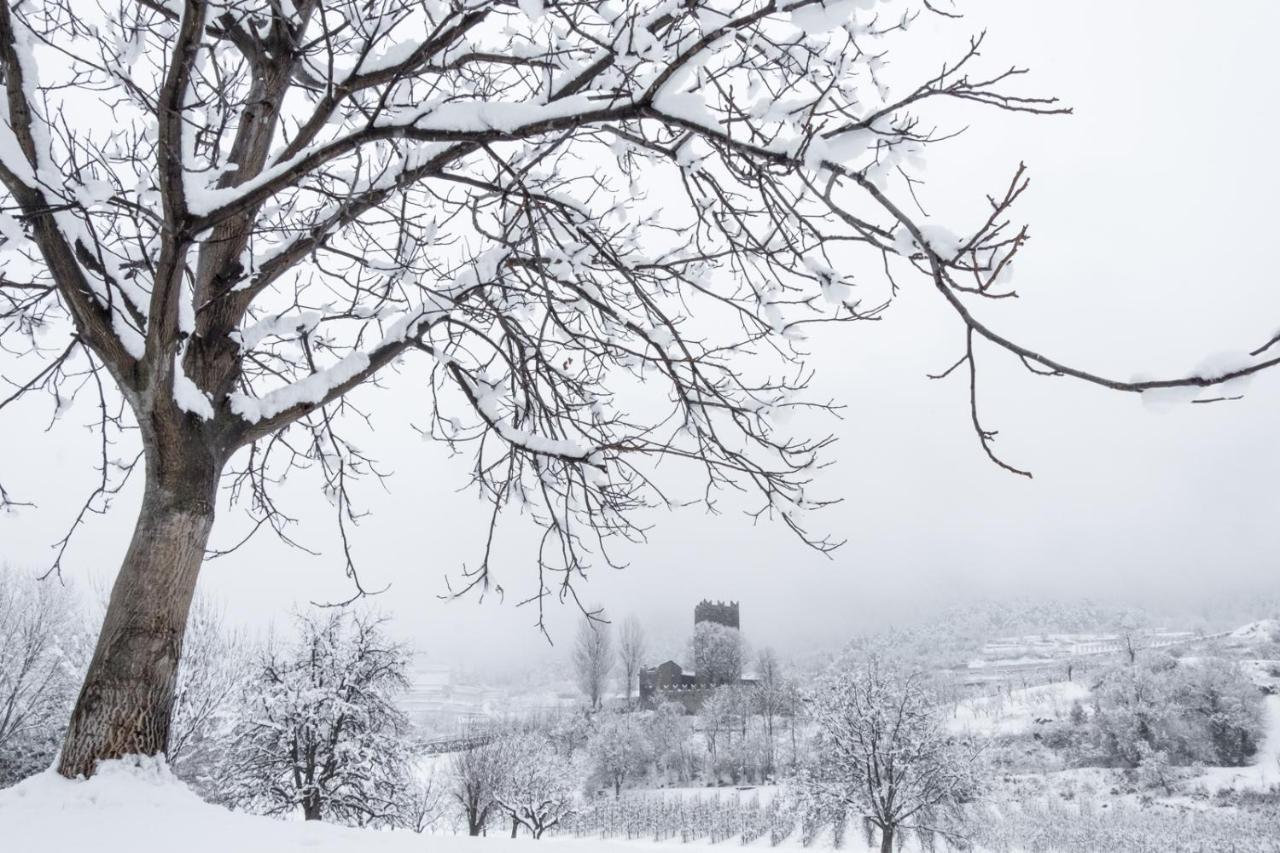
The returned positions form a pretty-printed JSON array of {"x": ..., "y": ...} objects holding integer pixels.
[
  {"x": 593, "y": 658},
  {"x": 476, "y": 775},
  {"x": 422, "y": 803},
  {"x": 883, "y": 756},
  {"x": 280, "y": 202},
  {"x": 716, "y": 723},
  {"x": 631, "y": 652},
  {"x": 771, "y": 700}
]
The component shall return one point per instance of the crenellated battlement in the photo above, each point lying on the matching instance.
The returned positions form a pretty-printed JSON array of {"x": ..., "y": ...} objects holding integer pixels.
[{"x": 719, "y": 612}]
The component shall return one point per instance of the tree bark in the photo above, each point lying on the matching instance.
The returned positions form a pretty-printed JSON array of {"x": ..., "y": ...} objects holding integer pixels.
[
  {"x": 886, "y": 840},
  {"x": 311, "y": 807},
  {"x": 126, "y": 702}
]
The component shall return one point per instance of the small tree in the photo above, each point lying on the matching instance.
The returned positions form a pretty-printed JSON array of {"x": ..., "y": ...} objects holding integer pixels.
[
  {"x": 593, "y": 659},
  {"x": 422, "y": 803},
  {"x": 882, "y": 754},
  {"x": 476, "y": 774},
  {"x": 320, "y": 730},
  {"x": 716, "y": 722},
  {"x": 619, "y": 750},
  {"x": 668, "y": 728},
  {"x": 771, "y": 700},
  {"x": 631, "y": 652},
  {"x": 537, "y": 789},
  {"x": 569, "y": 730}
]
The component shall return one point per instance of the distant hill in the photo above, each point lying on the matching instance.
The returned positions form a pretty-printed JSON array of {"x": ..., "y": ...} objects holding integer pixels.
[{"x": 955, "y": 635}]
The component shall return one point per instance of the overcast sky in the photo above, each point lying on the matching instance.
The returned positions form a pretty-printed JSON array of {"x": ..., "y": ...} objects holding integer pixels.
[{"x": 1153, "y": 221}]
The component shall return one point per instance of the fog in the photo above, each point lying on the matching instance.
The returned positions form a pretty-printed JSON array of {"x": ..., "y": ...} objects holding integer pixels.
[{"x": 1153, "y": 229}]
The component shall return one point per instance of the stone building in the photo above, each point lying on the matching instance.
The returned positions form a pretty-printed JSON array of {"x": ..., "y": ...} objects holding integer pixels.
[
  {"x": 719, "y": 613},
  {"x": 669, "y": 682}
]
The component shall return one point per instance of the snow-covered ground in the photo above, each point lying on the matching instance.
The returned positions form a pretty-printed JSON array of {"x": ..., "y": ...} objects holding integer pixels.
[
  {"x": 141, "y": 808},
  {"x": 144, "y": 809}
]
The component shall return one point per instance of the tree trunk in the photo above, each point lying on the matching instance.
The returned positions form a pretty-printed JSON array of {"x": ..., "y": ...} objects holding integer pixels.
[
  {"x": 515, "y": 825},
  {"x": 126, "y": 702},
  {"x": 886, "y": 840},
  {"x": 311, "y": 807}
]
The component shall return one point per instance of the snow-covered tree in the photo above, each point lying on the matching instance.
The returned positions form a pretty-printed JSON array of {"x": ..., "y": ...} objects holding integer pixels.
[
  {"x": 668, "y": 729},
  {"x": 569, "y": 731},
  {"x": 42, "y": 653},
  {"x": 718, "y": 653},
  {"x": 1226, "y": 708},
  {"x": 619, "y": 750},
  {"x": 593, "y": 659},
  {"x": 631, "y": 652},
  {"x": 232, "y": 214},
  {"x": 321, "y": 733},
  {"x": 475, "y": 775},
  {"x": 771, "y": 700},
  {"x": 882, "y": 755},
  {"x": 717, "y": 720},
  {"x": 538, "y": 790}
]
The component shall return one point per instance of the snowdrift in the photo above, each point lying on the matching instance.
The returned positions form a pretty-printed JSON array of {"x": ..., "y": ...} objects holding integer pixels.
[{"x": 138, "y": 806}]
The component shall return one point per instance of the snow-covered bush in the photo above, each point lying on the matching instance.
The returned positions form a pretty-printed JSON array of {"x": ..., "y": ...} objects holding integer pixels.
[
  {"x": 1159, "y": 711},
  {"x": 320, "y": 731}
]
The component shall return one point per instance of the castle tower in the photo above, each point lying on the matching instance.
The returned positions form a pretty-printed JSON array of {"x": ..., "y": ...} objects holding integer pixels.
[{"x": 719, "y": 613}]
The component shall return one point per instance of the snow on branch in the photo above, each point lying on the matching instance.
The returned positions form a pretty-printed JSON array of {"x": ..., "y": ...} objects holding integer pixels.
[{"x": 608, "y": 227}]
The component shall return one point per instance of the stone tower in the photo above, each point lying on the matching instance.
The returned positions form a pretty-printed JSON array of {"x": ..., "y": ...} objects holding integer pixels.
[{"x": 719, "y": 612}]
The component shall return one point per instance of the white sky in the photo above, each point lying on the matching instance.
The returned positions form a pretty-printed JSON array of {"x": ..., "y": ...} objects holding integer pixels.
[{"x": 1153, "y": 224}]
